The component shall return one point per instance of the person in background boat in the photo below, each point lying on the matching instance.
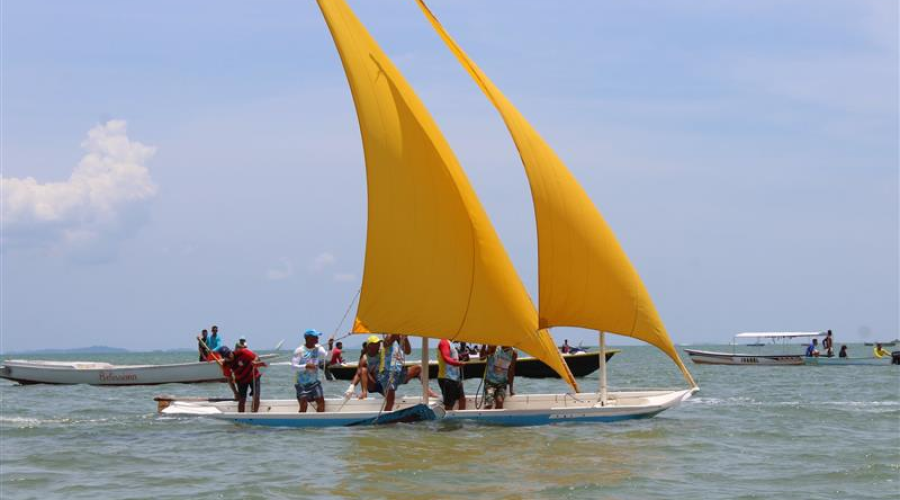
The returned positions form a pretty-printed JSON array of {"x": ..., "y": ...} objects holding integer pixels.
[
  {"x": 242, "y": 341},
  {"x": 828, "y": 345},
  {"x": 307, "y": 360},
  {"x": 463, "y": 352},
  {"x": 500, "y": 372},
  {"x": 565, "y": 347},
  {"x": 203, "y": 345},
  {"x": 812, "y": 350},
  {"x": 843, "y": 353},
  {"x": 880, "y": 352},
  {"x": 450, "y": 375},
  {"x": 245, "y": 366},
  {"x": 337, "y": 357},
  {"x": 215, "y": 341}
]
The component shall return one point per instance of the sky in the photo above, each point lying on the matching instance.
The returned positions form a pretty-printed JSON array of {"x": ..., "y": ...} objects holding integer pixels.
[{"x": 170, "y": 165}]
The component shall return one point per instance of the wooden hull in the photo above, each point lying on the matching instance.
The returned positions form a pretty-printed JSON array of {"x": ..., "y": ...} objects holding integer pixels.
[
  {"x": 520, "y": 410},
  {"x": 581, "y": 365},
  {"x": 86, "y": 372},
  {"x": 726, "y": 358}
]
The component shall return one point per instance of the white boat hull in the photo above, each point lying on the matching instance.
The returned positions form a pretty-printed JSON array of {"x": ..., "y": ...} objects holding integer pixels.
[
  {"x": 726, "y": 358},
  {"x": 521, "y": 409},
  {"x": 86, "y": 372}
]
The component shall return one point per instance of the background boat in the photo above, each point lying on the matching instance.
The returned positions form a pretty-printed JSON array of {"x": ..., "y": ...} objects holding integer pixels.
[
  {"x": 98, "y": 373},
  {"x": 580, "y": 365},
  {"x": 836, "y": 361},
  {"x": 723, "y": 358}
]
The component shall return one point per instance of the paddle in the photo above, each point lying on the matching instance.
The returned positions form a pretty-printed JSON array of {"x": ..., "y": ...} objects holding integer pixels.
[{"x": 221, "y": 364}]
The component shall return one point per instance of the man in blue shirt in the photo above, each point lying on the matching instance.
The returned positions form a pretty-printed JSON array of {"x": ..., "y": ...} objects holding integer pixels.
[
  {"x": 813, "y": 348},
  {"x": 214, "y": 341}
]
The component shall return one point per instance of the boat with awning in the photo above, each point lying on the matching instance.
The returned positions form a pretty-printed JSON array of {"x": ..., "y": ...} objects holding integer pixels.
[{"x": 759, "y": 358}]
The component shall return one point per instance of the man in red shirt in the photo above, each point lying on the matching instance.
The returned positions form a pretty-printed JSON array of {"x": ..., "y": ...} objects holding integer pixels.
[{"x": 245, "y": 366}]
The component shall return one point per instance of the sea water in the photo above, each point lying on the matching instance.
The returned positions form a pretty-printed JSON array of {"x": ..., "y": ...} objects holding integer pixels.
[{"x": 751, "y": 432}]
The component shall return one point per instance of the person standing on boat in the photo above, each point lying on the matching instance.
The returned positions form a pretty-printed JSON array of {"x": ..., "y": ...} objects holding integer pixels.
[
  {"x": 500, "y": 371},
  {"x": 880, "y": 352},
  {"x": 307, "y": 360},
  {"x": 565, "y": 347},
  {"x": 225, "y": 357},
  {"x": 450, "y": 375},
  {"x": 245, "y": 366},
  {"x": 215, "y": 341},
  {"x": 828, "y": 345},
  {"x": 203, "y": 345},
  {"x": 812, "y": 350}
]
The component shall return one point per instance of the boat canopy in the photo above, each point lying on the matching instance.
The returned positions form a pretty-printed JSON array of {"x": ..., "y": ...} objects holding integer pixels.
[{"x": 778, "y": 335}]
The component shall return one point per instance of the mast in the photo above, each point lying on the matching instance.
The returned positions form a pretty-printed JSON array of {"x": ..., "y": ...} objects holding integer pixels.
[
  {"x": 602, "y": 368},
  {"x": 424, "y": 375}
]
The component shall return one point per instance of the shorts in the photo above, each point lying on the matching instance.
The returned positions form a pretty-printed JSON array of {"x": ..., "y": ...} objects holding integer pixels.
[
  {"x": 309, "y": 392},
  {"x": 452, "y": 391},
  {"x": 493, "y": 392},
  {"x": 243, "y": 386},
  {"x": 389, "y": 380}
]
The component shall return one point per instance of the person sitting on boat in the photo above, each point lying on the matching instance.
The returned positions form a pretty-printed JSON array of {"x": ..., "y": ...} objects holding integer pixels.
[
  {"x": 242, "y": 340},
  {"x": 843, "y": 353},
  {"x": 828, "y": 345},
  {"x": 215, "y": 341},
  {"x": 373, "y": 363},
  {"x": 812, "y": 350},
  {"x": 203, "y": 345},
  {"x": 337, "y": 357},
  {"x": 245, "y": 366},
  {"x": 306, "y": 362},
  {"x": 450, "y": 375},
  {"x": 565, "y": 347},
  {"x": 500, "y": 372},
  {"x": 880, "y": 352}
]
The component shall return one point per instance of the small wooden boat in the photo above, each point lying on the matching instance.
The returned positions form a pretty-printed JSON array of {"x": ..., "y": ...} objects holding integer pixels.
[
  {"x": 724, "y": 358},
  {"x": 581, "y": 364},
  {"x": 755, "y": 359},
  {"x": 518, "y": 410},
  {"x": 837, "y": 361},
  {"x": 94, "y": 373}
]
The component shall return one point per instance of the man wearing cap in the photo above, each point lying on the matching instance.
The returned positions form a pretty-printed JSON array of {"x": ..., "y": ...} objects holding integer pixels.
[
  {"x": 242, "y": 341},
  {"x": 306, "y": 362}
]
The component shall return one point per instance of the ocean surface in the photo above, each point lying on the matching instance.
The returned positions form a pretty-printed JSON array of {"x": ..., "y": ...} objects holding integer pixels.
[{"x": 750, "y": 433}]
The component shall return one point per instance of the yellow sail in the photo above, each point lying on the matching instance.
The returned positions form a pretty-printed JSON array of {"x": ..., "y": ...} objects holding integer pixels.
[
  {"x": 434, "y": 265},
  {"x": 585, "y": 278}
]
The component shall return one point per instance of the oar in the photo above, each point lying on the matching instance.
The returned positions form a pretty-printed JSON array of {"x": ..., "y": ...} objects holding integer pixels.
[{"x": 218, "y": 361}]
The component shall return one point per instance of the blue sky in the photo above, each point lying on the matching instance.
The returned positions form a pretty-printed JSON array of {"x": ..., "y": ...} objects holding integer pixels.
[{"x": 199, "y": 162}]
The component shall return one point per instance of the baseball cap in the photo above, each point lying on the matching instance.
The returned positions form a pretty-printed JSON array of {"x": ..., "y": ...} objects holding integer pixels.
[
  {"x": 312, "y": 333},
  {"x": 373, "y": 339}
]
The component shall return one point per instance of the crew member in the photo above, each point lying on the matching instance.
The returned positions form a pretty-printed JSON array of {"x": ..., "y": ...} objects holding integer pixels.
[{"x": 307, "y": 360}]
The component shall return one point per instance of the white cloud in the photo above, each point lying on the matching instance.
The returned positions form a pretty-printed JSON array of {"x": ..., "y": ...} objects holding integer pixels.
[
  {"x": 104, "y": 199},
  {"x": 285, "y": 270},
  {"x": 322, "y": 261},
  {"x": 344, "y": 277}
]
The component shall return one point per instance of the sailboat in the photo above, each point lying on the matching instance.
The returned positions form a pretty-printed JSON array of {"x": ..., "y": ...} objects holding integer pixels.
[{"x": 436, "y": 268}]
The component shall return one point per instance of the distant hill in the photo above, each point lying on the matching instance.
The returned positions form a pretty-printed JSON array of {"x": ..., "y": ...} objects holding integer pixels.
[{"x": 94, "y": 349}]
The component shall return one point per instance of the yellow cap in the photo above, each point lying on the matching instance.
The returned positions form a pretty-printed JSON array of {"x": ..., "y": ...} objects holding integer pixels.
[{"x": 373, "y": 339}]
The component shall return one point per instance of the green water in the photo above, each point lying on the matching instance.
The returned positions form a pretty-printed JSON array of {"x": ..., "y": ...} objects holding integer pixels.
[{"x": 752, "y": 432}]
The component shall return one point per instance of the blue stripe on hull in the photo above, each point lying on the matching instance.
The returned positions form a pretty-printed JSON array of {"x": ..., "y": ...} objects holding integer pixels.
[{"x": 492, "y": 419}]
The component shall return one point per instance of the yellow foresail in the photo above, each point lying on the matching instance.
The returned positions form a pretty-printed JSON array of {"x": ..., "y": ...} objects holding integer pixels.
[
  {"x": 585, "y": 278},
  {"x": 434, "y": 265}
]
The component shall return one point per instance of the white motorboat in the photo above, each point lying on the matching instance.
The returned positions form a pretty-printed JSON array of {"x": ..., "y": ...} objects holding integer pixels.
[
  {"x": 94, "y": 373},
  {"x": 759, "y": 358}
]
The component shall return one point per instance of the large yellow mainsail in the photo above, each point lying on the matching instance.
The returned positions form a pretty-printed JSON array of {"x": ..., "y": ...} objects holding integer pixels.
[
  {"x": 585, "y": 278},
  {"x": 434, "y": 265}
]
